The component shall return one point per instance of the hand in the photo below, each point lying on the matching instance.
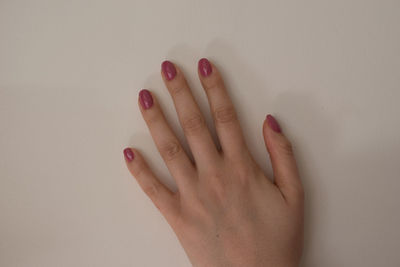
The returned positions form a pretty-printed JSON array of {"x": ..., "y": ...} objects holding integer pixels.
[{"x": 226, "y": 211}]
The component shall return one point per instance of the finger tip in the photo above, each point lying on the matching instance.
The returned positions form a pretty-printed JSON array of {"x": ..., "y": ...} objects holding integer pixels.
[
  {"x": 204, "y": 67},
  {"x": 273, "y": 123},
  {"x": 129, "y": 154},
  {"x": 168, "y": 70}
]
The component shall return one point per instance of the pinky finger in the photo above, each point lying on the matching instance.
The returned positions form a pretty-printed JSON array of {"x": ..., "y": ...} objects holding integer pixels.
[{"x": 162, "y": 197}]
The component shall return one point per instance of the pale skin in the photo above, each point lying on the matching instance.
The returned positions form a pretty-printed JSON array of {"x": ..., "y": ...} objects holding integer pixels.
[{"x": 226, "y": 210}]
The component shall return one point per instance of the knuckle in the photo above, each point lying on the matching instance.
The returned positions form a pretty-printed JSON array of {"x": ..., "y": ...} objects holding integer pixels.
[
  {"x": 244, "y": 173},
  {"x": 151, "y": 190},
  {"x": 221, "y": 194},
  {"x": 152, "y": 118},
  {"x": 177, "y": 90},
  {"x": 193, "y": 123},
  {"x": 225, "y": 114},
  {"x": 212, "y": 86},
  {"x": 170, "y": 150},
  {"x": 218, "y": 188},
  {"x": 286, "y": 147}
]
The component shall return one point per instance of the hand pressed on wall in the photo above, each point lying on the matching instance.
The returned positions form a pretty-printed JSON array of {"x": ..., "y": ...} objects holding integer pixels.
[{"x": 226, "y": 212}]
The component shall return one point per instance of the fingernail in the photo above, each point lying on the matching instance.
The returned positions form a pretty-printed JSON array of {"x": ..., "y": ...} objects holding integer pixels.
[
  {"x": 273, "y": 123},
  {"x": 145, "y": 98},
  {"x": 168, "y": 69},
  {"x": 129, "y": 154},
  {"x": 205, "y": 67}
]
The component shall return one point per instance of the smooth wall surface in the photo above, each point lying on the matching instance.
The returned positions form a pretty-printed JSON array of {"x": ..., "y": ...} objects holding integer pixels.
[{"x": 70, "y": 72}]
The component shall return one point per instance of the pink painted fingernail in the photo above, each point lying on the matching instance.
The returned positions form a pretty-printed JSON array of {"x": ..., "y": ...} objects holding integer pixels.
[
  {"x": 129, "y": 154},
  {"x": 168, "y": 69},
  {"x": 145, "y": 98},
  {"x": 205, "y": 67},
  {"x": 273, "y": 123}
]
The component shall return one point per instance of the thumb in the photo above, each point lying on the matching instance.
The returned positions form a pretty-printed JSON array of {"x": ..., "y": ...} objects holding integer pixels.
[{"x": 286, "y": 175}]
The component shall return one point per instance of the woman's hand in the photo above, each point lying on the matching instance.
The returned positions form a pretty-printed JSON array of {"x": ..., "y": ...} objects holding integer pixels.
[{"x": 226, "y": 211}]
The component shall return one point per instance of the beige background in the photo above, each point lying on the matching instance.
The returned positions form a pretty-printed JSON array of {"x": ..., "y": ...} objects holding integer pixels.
[{"x": 70, "y": 72}]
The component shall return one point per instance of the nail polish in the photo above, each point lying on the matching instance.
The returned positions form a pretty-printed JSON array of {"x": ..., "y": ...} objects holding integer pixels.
[
  {"x": 145, "y": 98},
  {"x": 273, "y": 124},
  {"x": 168, "y": 69},
  {"x": 205, "y": 67},
  {"x": 129, "y": 154}
]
